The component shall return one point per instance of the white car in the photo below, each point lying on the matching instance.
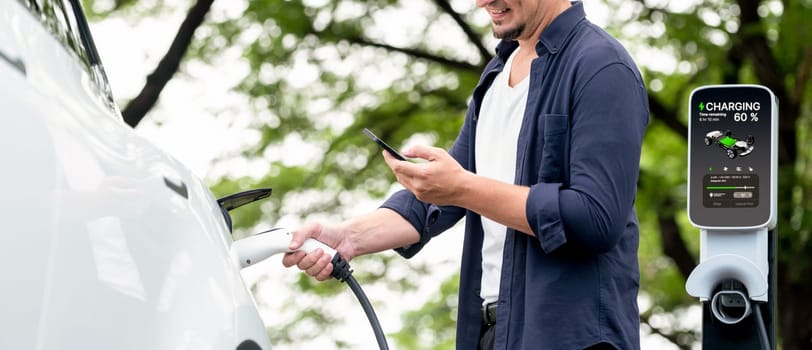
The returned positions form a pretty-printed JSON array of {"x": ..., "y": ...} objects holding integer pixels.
[
  {"x": 733, "y": 147},
  {"x": 107, "y": 242}
]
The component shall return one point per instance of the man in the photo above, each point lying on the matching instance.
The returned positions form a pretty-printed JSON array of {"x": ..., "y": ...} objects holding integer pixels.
[{"x": 544, "y": 170}]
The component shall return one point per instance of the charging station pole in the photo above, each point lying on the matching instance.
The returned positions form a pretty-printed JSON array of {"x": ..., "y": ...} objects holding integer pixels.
[{"x": 732, "y": 199}]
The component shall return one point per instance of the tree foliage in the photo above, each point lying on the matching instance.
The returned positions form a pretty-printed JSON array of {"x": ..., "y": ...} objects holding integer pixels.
[{"x": 321, "y": 70}]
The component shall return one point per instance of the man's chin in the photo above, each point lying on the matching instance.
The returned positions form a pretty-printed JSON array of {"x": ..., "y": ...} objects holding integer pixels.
[{"x": 508, "y": 33}]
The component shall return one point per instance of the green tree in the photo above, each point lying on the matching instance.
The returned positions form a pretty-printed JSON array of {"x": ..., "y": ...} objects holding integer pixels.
[
  {"x": 714, "y": 42},
  {"x": 321, "y": 70}
]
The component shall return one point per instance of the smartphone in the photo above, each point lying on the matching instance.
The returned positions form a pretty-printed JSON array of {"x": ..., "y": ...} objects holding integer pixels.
[{"x": 384, "y": 145}]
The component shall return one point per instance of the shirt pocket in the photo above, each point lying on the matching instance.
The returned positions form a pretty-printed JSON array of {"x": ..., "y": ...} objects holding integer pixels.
[{"x": 553, "y": 154}]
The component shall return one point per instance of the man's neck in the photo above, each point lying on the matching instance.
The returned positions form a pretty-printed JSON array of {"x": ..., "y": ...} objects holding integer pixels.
[
  {"x": 521, "y": 64},
  {"x": 547, "y": 15},
  {"x": 527, "y": 44}
]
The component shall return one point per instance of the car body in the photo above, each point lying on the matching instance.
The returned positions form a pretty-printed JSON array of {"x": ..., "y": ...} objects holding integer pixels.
[
  {"x": 108, "y": 242},
  {"x": 733, "y": 147}
]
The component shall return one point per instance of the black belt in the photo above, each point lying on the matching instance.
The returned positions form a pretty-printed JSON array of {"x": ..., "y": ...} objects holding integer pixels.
[{"x": 489, "y": 314}]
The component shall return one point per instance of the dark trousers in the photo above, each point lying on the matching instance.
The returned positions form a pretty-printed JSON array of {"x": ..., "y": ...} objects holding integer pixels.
[
  {"x": 489, "y": 333},
  {"x": 486, "y": 337}
]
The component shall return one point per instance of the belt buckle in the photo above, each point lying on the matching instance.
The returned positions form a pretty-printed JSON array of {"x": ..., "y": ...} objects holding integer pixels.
[{"x": 489, "y": 314}]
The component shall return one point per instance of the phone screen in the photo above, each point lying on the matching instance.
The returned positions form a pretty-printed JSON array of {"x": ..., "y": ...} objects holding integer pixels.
[{"x": 385, "y": 146}]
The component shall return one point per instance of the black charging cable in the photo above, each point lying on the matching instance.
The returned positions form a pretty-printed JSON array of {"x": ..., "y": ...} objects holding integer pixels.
[
  {"x": 343, "y": 273},
  {"x": 762, "y": 329},
  {"x": 732, "y": 285}
]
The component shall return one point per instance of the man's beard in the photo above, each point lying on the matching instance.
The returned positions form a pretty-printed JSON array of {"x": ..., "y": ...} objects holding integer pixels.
[{"x": 510, "y": 34}]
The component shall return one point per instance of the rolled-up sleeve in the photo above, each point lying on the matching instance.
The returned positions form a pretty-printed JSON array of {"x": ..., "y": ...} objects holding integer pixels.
[
  {"x": 609, "y": 117},
  {"x": 544, "y": 216},
  {"x": 421, "y": 215}
]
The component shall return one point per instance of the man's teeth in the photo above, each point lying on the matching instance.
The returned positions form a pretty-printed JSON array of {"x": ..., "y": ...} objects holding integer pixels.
[{"x": 496, "y": 12}]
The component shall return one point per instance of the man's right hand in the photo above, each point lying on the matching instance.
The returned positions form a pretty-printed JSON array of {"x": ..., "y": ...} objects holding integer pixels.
[
  {"x": 377, "y": 231},
  {"x": 317, "y": 263}
]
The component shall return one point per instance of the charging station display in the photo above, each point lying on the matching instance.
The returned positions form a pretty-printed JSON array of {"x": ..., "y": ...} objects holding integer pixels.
[{"x": 730, "y": 156}]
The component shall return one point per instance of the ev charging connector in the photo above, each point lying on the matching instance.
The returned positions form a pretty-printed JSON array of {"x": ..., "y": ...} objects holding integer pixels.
[
  {"x": 251, "y": 250},
  {"x": 732, "y": 187}
]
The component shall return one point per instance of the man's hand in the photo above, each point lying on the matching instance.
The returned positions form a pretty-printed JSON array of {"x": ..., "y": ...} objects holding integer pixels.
[
  {"x": 440, "y": 181},
  {"x": 443, "y": 181},
  {"x": 317, "y": 263}
]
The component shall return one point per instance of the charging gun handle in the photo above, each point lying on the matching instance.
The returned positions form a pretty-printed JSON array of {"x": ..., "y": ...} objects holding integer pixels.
[{"x": 251, "y": 250}]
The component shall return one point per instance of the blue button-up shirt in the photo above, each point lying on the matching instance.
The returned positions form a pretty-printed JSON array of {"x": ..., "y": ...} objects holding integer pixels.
[{"x": 574, "y": 283}]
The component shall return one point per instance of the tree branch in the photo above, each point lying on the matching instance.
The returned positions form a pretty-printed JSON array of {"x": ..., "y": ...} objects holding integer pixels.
[
  {"x": 667, "y": 115},
  {"x": 472, "y": 36},
  {"x": 802, "y": 76},
  {"x": 138, "y": 107},
  {"x": 735, "y": 59},
  {"x": 459, "y": 65},
  {"x": 674, "y": 246},
  {"x": 752, "y": 36},
  {"x": 770, "y": 74}
]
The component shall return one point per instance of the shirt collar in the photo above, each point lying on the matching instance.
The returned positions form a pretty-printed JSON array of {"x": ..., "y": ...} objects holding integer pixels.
[{"x": 553, "y": 37}]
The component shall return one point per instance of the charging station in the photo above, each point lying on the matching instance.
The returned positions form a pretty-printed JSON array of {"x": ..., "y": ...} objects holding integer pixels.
[{"x": 732, "y": 199}]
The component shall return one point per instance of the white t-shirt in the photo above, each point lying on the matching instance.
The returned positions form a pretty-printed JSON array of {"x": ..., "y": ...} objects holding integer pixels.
[{"x": 497, "y": 136}]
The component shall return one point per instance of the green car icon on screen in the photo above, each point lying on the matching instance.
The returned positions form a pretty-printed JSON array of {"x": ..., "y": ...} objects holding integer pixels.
[{"x": 732, "y": 146}]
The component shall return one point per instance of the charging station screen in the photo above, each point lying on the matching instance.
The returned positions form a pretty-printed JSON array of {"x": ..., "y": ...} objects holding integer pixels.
[{"x": 730, "y": 156}]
